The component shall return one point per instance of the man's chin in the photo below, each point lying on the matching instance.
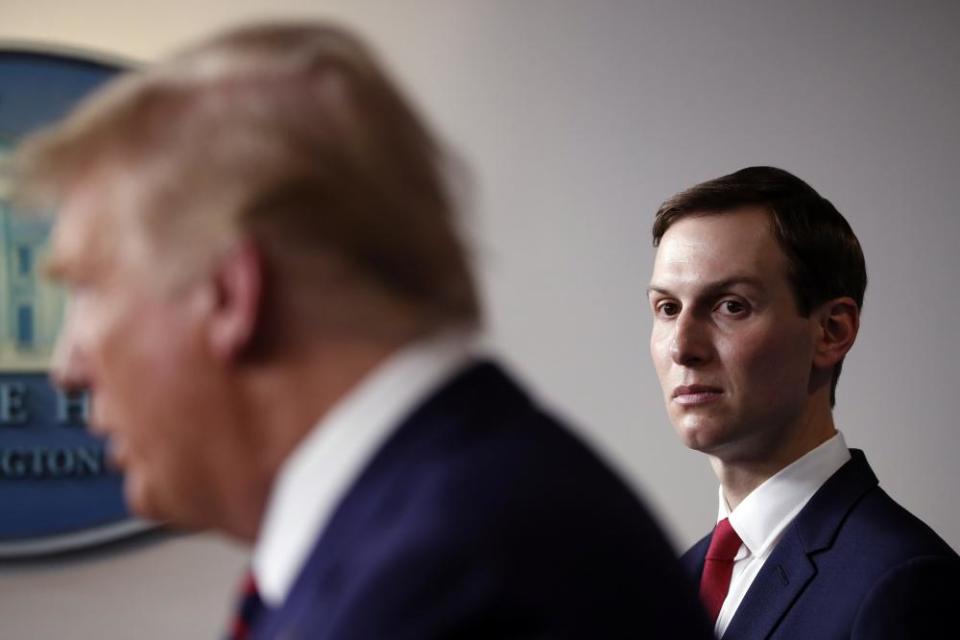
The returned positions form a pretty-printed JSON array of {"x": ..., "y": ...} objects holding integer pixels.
[
  {"x": 704, "y": 438},
  {"x": 137, "y": 498},
  {"x": 147, "y": 505}
]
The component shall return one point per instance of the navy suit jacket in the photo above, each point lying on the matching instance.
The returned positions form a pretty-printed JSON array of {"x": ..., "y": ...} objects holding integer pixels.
[
  {"x": 482, "y": 517},
  {"x": 853, "y": 564}
]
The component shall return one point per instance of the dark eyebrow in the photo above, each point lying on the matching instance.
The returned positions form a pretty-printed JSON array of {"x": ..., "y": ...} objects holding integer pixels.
[
  {"x": 655, "y": 289},
  {"x": 715, "y": 287}
]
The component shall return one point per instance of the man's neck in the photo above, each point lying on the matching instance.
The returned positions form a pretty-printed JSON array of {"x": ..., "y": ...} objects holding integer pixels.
[
  {"x": 282, "y": 403},
  {"x": 740, "y": 475}
]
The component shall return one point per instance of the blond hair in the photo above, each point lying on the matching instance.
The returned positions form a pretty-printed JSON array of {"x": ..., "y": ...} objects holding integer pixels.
[{"x": 289, "y": 133}]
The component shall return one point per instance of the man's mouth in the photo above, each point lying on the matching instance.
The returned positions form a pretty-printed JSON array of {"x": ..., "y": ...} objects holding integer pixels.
[{"x": 695, "y": 394}]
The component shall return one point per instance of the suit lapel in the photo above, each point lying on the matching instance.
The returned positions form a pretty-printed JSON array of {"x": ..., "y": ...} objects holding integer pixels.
[
  {"x": 780, "y": 582},
  {"x": 792, "y": 565}
]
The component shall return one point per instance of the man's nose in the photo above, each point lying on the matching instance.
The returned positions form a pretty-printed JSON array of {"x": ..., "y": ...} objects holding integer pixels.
[
  {"x": 68, "y": 368},
  {"x": 691, "y": 344}
]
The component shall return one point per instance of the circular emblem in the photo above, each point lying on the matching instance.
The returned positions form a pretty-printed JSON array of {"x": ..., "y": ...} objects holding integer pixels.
[{"x": 56, "y": 490}]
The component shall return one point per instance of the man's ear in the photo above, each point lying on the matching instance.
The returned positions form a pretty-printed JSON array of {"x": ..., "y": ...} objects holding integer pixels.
[
  {"x": 238, "y": 281},
  {"x": 839, "y": 322}
]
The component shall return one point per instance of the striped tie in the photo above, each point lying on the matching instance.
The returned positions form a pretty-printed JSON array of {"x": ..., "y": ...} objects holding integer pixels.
[{"x": 249, "y": 606}]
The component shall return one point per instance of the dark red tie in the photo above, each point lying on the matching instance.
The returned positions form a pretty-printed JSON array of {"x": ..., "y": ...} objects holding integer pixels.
[
  {"x": 718, "y": 567},
  {"x": 249, "y": 606}
]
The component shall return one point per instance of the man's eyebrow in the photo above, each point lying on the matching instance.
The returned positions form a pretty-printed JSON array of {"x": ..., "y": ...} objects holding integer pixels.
[{"x": 713, "y": 287}]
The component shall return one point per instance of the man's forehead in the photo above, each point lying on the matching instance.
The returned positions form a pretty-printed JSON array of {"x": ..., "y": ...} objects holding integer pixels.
[
  {"x": 718, "y": 247},
  {"x": 85, "y": 231}
]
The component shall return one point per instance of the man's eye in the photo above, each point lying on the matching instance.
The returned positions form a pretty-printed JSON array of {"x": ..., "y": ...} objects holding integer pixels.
[
  {"x": 668, "y": 309},
  {"x": 733, "y": 307}
]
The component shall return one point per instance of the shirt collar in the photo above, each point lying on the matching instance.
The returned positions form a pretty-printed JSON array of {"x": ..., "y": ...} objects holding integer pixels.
[
  {"x": 763, "y": 515},
  {"x": 319, "y": 472}
]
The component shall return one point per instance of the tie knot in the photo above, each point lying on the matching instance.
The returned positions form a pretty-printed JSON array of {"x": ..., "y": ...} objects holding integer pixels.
[{"x": 725, "y": 542}]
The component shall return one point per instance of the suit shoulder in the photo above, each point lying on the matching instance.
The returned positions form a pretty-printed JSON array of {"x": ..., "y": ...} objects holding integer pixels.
[
  {"x": 916, "y": 598},
  {"x": 526, "y": 464},
  {"x": 497, "y": 436},
  {"x": 481, "y": 457},
  {"x": 487, "y": 505},
  {"x": 893, "y": 529}
]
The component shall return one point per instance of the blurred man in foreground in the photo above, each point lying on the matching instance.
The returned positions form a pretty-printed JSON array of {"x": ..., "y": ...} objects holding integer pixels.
[
  {"x": 756, "y": 296},
  {"x": 273, "y": 311}
]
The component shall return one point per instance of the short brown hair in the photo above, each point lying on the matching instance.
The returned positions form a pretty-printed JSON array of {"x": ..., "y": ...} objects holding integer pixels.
[
  {"x": 825, "y": 257},
  {"x": 291, "y": 133}
]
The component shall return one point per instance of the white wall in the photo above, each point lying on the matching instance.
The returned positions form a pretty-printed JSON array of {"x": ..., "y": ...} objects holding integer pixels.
[{"x": 577, "y": 119}]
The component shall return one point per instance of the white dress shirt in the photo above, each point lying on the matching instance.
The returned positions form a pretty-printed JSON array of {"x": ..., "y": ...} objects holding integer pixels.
[
  {"x": 317, "y": 475},
  {"x": 761, "y": 518}
]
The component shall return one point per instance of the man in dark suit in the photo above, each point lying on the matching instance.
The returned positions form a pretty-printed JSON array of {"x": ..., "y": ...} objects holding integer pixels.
[
  {"x": 274, "y": 314},
  {"x": 756, "y": 295}
]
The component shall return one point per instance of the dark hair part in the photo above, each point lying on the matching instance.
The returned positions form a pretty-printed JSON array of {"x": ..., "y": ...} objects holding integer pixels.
[{"x": 825, "y": 257}]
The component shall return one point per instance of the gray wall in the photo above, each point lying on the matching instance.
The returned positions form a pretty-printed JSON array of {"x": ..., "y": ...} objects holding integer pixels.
[{"x": 576, "y": 120}]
